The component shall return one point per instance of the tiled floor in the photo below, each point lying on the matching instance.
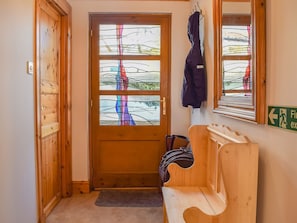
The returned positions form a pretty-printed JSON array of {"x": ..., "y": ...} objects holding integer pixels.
[{"x": 81, "y": 208}]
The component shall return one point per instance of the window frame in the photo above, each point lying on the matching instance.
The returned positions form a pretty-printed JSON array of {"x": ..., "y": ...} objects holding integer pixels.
[
  {"x": 248, "y": 109},
  {"x": 133, "y": 19}
]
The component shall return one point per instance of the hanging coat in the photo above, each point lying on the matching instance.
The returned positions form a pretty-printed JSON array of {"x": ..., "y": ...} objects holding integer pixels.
[{"x": 194, "y": 81}]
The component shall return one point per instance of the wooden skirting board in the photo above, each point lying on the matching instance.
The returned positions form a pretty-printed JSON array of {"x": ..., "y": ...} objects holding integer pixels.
[{"x": 81, "y": 187}]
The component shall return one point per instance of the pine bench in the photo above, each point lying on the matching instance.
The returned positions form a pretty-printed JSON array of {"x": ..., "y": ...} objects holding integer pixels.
[{"x": 220, "y": 186}]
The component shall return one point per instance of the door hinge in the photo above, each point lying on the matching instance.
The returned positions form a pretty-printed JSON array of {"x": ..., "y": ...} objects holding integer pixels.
[
  {"x": 91, "y": 103},
  {"x": 91, "y": 33}
]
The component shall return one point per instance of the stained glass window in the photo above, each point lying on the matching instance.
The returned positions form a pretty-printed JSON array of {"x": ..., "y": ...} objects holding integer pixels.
[
  {"x": 234, "y": 71},
  {"x": 236, "y": 40},
  {"x": 236, "y": 56},
  {"x": 129, "y": 61},
  {"x": 141, "y": 74},
  {"x": 134, "y": 39},
  {"x": 129, "y": 110}
]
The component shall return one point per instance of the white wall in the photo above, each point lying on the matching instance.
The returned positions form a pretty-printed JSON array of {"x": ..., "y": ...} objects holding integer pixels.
[
  {"x": 277, "y": 171},
  {"x": 17, "y": 164},
  {"x": 277, "y": 197},
  {"x": 277, "y": 194},
  {"x": 180, "y": 45}
]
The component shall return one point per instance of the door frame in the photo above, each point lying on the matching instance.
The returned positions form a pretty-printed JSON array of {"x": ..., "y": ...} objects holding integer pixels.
[
  {"x": 64, "y": 10},
  {"x": 90, "y": 99}
]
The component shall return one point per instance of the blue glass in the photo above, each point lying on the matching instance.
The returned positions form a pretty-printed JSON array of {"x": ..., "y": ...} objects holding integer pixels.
[{"x": 139, "y": 110}]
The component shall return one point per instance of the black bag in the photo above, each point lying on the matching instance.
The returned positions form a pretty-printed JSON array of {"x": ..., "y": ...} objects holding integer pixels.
[
  {"x": 176, "y": 142},
  {"x": 182, "y": 156}
]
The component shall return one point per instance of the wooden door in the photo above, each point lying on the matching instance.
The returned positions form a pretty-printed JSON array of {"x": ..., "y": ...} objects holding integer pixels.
[
  {"x": 130, "y": 114},
  {"x": 53, "y": 124},
  {"x": 50, "y": 102}
]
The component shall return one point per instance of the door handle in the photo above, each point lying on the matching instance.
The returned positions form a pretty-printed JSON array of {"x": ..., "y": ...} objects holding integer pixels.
[{"x": 163, "y": 105}]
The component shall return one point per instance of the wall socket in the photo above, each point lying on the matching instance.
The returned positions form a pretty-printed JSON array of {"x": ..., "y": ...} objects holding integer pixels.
[{"x": 30, "y": 67}]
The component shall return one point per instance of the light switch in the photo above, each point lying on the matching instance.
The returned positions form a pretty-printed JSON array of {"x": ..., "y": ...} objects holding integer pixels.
[{"x": 30, "y": 67}]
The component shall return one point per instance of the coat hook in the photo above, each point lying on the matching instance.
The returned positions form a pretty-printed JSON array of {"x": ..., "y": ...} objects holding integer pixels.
[{"x": 196, "y": 7}]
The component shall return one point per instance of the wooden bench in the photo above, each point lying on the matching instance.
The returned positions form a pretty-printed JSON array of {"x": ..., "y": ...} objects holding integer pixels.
[{"x": 220, "y": 186}]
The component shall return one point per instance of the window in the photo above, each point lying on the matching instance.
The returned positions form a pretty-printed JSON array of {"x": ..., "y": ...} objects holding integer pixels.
[
  {"x": 236, "y": 56},
  {"x": 239, "y": 62},
  {"x": 128, "y": 66}
]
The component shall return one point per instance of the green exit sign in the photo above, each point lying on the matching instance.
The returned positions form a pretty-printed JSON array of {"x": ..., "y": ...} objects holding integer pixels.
[{"x": 282, "y": 117}]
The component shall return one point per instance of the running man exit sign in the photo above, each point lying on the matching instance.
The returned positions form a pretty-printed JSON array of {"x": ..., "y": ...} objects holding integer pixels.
[{"x": 282, "y": 117}]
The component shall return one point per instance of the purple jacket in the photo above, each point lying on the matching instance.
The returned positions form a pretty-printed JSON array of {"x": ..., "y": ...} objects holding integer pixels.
[{"x": 194, "y": 82}]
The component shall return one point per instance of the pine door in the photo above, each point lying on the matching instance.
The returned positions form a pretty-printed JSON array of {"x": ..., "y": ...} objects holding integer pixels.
[{"x": 129, "y": 102}]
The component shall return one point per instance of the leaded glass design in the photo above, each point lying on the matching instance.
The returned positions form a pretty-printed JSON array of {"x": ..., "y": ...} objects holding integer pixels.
[
  {"x": 140, "y": 75},
  {"x": 135, "y": 39},
  {"x": 143, "y": 110},
  {"x": 234, "y": 72},
  {"x": 236, "y": 57},
  {"x": 235, "y": 40},
  {"x": 123, "y": 67}
]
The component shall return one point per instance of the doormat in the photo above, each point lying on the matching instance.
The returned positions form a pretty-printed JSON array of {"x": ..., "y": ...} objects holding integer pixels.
[{"x": 129, "y": 198}]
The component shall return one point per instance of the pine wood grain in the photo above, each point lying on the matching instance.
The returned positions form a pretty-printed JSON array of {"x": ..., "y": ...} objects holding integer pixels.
[{"x": 221, "y": 185}]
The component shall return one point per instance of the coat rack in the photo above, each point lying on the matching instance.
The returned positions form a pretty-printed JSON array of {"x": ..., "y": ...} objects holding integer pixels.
[{"x": 196, "y": 7}]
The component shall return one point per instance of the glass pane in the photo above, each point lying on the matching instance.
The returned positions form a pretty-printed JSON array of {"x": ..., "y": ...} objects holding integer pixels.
[
  {"x": 138, "y": 110},
  {"x": 237, "y": 76},
  {"x": 129, "y": 75},
  {"x": 129, "y": 39},
  {"x": 236, "y": 40}
]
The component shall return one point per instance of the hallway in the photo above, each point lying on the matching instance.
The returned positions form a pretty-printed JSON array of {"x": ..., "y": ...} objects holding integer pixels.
[{"x": 81, "y": 208}]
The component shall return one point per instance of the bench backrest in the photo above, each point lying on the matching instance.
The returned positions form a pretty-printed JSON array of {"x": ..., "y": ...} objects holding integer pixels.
[
  {"x": 220, "y": 137},
  {"x": 225, "y": 162}
]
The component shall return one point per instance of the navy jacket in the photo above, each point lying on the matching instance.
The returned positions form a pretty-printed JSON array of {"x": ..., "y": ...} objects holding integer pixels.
[{"x": 194, "y": 81}]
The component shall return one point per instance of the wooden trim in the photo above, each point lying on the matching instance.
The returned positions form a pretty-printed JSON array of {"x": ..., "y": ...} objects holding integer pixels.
[
  {"x": 61, "y": 5},
  {"x": 234, "y": 108},
  {"x": 169, "y": 0},
  {"x": 236, "y": 20},
  {"x": 40, "y": 214},
  {"x": 237, "y": 0},
  {"x": 237, "y": 91},
  {"x": 66, "y": 91},
  {"x": 64, "y": 9},
  {"x": 217, "y": 23},
  {"x": 236, "y": 57},
  {"x": 81, "y": 187},
  {"x": 50, "y": 207},
  {"x": 259, "y": 8}
]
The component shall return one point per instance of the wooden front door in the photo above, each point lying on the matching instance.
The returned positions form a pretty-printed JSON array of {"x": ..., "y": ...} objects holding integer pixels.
[
  {"x": 52, "y": 106},
  {"x": 130, "y": 60}
]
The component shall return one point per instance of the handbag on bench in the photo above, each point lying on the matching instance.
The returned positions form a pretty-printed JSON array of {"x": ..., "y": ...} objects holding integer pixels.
[{"x": 178, "y": 151}]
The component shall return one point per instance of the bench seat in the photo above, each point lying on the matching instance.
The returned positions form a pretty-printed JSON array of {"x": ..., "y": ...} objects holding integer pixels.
[{"x": 179, "y": 199}]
